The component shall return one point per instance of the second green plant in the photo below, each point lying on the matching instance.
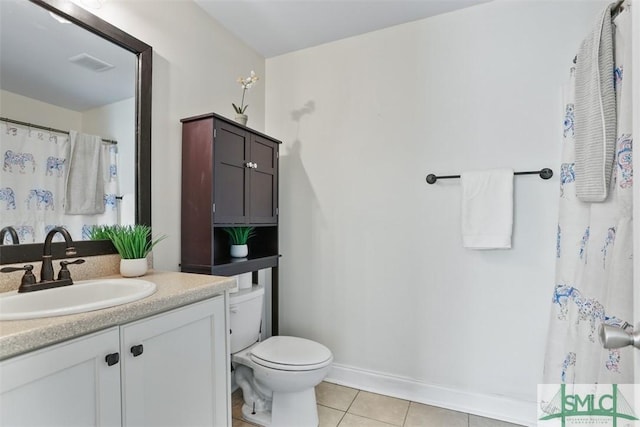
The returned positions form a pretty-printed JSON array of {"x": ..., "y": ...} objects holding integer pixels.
[{"x": 240, "y": 235}]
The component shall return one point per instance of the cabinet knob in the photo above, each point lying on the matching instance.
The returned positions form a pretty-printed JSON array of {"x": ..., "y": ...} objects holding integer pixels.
[
  {"x": 255, "y": 166},
  {"x": 137, "y": 350},
  {"x": 248, "y": 165},
  {"x": 112, "y": 359}
]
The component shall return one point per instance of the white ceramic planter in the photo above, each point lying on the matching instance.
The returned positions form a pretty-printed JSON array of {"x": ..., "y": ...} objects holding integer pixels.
[
  {"x": 239, "y": 251},
  {"x": 242, "y": 119},
  {"x": 133, "y": 267}
]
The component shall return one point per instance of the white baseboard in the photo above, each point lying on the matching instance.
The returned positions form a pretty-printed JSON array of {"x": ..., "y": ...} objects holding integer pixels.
[{"x": 490, "y": 406}]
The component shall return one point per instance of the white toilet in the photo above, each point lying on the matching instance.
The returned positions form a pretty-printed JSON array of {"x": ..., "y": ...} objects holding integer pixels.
[{"x": 278, "y": 375}]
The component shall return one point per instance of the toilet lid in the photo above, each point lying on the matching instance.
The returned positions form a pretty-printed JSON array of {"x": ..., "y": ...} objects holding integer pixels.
[{"x": 291, "y": 354}]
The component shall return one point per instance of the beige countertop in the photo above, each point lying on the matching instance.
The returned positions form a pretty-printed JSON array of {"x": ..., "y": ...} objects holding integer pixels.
[{"x": 173, "y": 290}]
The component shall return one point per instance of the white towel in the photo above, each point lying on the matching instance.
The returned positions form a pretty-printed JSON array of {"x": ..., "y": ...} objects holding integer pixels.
[
  {"x": 84, "y": 189},
  {"x": 487, "y": 209}
]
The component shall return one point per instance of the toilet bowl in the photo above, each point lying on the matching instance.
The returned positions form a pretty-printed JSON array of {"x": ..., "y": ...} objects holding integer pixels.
[{"x": 278, "y": 375}]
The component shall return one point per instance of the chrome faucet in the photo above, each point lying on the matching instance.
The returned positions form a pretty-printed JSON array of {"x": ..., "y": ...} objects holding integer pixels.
[
  {"x": 46, "y": 273},
  {"x": 12, "y": 232}
]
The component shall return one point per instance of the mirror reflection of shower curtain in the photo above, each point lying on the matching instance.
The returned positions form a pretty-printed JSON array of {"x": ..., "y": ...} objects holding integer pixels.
[
  {"x": 32, "y": 184},
  {"x": 594, "y": 269}
]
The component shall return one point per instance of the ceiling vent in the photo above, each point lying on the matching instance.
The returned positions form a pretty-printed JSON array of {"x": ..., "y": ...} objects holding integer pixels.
[{"x": 91, "y": 63}]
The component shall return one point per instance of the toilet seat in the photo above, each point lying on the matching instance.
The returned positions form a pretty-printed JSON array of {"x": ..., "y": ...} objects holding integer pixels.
[{"x": 291, "y": 354}]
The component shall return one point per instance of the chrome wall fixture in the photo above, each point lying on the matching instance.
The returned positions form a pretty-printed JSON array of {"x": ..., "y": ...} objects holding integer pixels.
[{"x": 616, "y": 337}]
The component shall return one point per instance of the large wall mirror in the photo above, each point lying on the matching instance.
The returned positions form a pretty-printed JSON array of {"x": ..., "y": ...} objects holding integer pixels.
[{"x": 63, "y": 68}]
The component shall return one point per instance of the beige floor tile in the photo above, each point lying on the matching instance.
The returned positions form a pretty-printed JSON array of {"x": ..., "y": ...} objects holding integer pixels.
[
  {"x": 241, "y": 423},
  {"x": 329, "y": 417},
  {"x": 236, "y": 396},
  {"x": 335, "y": 396},
  {"x": 350, "y": 420},
  {"x": 381, "y": 408},
  {"x": 476, "y": 421},
  {"x": 420, "y": 415},
  {"x": 236, "y": 404}
]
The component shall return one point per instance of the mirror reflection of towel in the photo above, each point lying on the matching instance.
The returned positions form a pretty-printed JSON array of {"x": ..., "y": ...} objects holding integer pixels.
[{"x": 84, "y": 189}]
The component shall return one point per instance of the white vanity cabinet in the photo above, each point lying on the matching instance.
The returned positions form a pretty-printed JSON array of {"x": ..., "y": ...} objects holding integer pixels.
[
  {"x": 179, "y": 376},
  {"x": 172, "y": 370},
  {"x": 67, "y": 384}
]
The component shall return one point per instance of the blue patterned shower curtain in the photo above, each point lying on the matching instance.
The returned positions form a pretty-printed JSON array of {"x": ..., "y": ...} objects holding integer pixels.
[
  {"x": 32, "y": 184},
  {"x": 594, "y": 270}
]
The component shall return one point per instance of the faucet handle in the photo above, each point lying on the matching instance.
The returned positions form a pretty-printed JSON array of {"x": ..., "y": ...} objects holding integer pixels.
[
  {"x": 27, "y": 279},
  {"x": 64, "y": 271},
  {"x": 27, "y": 268}
]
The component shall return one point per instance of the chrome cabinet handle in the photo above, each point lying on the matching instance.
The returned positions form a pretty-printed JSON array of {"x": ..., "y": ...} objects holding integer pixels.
[{"x": 616, "y": 337}]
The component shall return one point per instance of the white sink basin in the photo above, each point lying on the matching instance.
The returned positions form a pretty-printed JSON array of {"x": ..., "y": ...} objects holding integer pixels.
[{"x": 85, "y": 295}]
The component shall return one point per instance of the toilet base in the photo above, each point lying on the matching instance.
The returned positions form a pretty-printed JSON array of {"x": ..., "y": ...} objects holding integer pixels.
[
  {"x": 260, "y": 418},
  {"x": 291, "y": 410}
]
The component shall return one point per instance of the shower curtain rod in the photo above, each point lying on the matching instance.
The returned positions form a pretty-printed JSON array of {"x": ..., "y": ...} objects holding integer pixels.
[
  {"x": 545, "y": 173},
  {"x": 617, "y": 8},
  {"x": 31, "y": 125}
]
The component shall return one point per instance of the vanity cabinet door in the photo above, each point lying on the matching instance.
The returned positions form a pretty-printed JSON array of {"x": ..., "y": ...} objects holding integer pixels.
[
  {"x": 68, "y": 384},
  {"x": 174, "y": 368}
]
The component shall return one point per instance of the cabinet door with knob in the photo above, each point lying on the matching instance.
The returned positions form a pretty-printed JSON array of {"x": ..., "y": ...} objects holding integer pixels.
[
  {"x": 263, "y": 181},
  {"x": 76, "y": 382},
  {"x": 173, "y": 373},
  {"x": 232, "y": 169},
  {"x": 245, "y": 176}
]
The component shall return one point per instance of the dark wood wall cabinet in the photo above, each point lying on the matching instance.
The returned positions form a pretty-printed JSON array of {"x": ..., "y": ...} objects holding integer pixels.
[{"x": 229, "y": 178}]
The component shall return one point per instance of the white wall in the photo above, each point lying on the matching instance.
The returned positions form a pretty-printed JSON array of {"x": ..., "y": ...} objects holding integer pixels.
[
  {"x": 29, "y": 110},
  {"x": 195, "y": 66},
  {"x": 372, "y": 263}
]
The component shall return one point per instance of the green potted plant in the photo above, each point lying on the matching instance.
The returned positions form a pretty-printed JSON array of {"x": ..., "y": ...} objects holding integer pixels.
[
  {"x": 133, "y": 243},
  {"x": 239, "y": 236}
]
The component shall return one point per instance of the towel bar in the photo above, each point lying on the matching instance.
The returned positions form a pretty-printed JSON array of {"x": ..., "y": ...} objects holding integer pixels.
[{"x": 545, "y": 173}]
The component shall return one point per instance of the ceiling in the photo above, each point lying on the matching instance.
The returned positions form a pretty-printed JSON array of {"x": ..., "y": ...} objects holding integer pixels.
[
  {"x": 35, "y": 49},
  {"x": 275, "y": 27},
  {"x": 34, "y": 60}
]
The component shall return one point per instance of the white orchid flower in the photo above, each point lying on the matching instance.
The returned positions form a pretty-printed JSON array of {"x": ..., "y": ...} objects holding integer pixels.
[{"x": 246, "y": 83}]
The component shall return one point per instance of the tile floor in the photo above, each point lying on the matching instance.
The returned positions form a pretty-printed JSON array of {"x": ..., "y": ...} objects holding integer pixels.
[{"x": 340, "y": 406}]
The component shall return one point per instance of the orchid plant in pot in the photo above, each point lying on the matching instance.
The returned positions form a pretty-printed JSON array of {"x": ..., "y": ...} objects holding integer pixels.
[
  {"x": 246, "y": 84},
  {"x": 133, "y": 243},
  {"x": 239, "y": 236}
]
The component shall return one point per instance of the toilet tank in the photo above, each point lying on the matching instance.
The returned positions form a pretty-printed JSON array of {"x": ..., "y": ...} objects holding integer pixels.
[{"x": 245, "y": 314}]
